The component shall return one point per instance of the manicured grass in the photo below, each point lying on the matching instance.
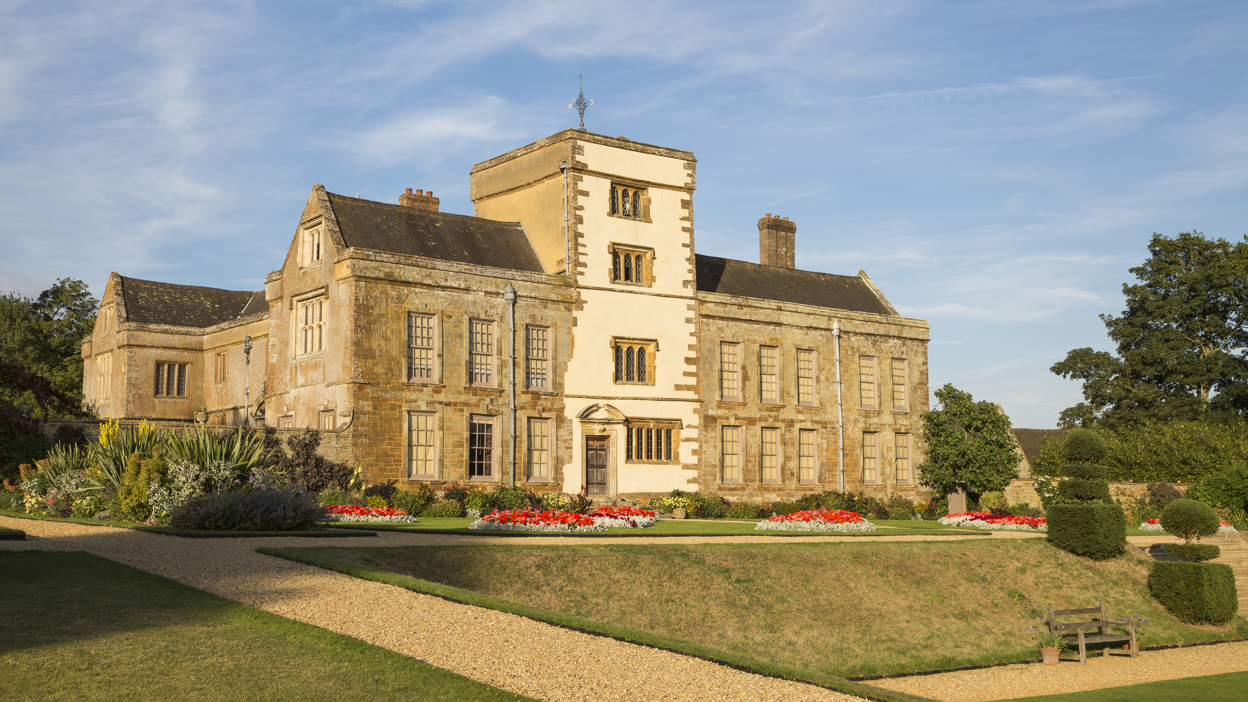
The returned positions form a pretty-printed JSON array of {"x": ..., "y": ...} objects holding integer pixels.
[
  {"x": 80, "y": 627},
  {"x": 321, "y": 532},
  {"x": 665, "y": 527},
  {"x": 1228, "y": 687},
  {"x": 7, "y": 534},
  {"x": 818, "y": 612}
]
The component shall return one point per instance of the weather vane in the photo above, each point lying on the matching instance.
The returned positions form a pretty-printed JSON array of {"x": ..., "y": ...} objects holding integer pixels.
[{"x": 580, "y": 103}]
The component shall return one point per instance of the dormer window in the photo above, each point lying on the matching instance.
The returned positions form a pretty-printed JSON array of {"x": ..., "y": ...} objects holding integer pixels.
[
  {"x": 630, "y": 202},
  {"x": 311, "y": 246}
]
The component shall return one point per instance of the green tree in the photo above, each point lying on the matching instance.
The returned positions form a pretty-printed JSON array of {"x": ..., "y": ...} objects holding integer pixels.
[
  {"x": 1180, "y": 341},
  {"x": 969, "y": 445},
  {"x": 44, "y": 337}
]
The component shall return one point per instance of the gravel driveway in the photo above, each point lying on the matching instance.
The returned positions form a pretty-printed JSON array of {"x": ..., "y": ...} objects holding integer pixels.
[{"x": 539, "y": 660}]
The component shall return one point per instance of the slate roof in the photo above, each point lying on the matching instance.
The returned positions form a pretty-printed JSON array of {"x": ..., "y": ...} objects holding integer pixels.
[
  {"x": 449, "y": 237},
  {"x": 1030, "y": 439},
  {"x": 150, "y": 302},
  {"x": 743, "y": 279}
]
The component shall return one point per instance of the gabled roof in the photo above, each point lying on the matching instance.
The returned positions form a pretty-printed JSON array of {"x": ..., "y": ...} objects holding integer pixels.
[
  {"x": 449, "y": 237},
  {"x": 743, "y": 279},
  {"x": 149, "y": 302},
  {"x": 1030, "y": 440}
]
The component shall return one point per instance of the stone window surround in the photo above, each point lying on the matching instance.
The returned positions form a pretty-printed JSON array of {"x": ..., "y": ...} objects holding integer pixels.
[
  {"x": 490, "y": 363},
  {"x": 104, "y": 377},
  {"x": 775, "y": 358},
  {"x": 222, "y": 367},
  {"x": 871, "y": 462},
  {"x": 813, "y": 434},
  {"x": 868, "y": 382},
  {"x": 616, "y": 189},
  {"x": 548, "y": 433},
  {"x": 435, "y": 445},
  {"x": 181, "y": 381},
  {"x": 435, "y": 331},
  {"x": 643, "y": 253},
  {"x": 731, "y": 372},
  {"x": 777, "y": 447},
  {"x": 297, "y": 304},
  {"x": 814, "y": 377},
  {"x": 904, "y": 405},
  {"x": 492, "y": 421},
  {"x": 652, "y": 352},
  {"x": 737, "y": 433},
  {"x": 546, "y": 340},
  {"x": 902, "y": 458},
  {"x": 672, "y": 447},
  {"x": 311, "y": 245},
  {"x": 326, "y": 420}
]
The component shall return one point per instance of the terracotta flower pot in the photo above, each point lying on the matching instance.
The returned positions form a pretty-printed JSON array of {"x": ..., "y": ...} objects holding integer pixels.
[{"x": 1050, "y": 655}]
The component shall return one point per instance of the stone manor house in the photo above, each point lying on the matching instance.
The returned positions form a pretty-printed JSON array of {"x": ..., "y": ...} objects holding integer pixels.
[{"x": 567, "y": 335}]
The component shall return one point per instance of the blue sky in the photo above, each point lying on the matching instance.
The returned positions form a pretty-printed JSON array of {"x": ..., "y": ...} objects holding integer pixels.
[{"x": 994, "y": 166}]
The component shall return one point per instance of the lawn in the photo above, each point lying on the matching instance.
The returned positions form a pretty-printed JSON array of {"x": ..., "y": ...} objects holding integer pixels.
[
  {"x": 817, "y": 612},
  {"x": 80, "y": 627},
  {"x": 7, "y": 534},
  {"x": 1228, "y": 687},
  {"x": 667, "y": 527}
]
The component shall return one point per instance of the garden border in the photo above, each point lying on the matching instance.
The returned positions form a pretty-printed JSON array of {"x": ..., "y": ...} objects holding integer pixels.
[
  {"x": 322, "y": 533},
  {"x": 585, "y": 626},
  {"x": 633, "y": 533}
]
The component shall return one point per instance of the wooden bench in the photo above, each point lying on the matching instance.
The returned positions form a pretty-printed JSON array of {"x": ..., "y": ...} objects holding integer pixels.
[{"x": 1076, "y": 632}]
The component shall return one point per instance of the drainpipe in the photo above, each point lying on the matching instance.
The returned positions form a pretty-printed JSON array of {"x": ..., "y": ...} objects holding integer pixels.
[
  {"x": 510, "y": 297},
  {"x": 567, "y": 234},
  {"x": 247, "y": 386},
  {"x": 840, "y": 413}
]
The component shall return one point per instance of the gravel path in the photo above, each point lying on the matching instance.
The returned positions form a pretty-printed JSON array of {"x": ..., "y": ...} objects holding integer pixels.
[
  {"x": 1013, "y": 681},
  {"x": 503, "y": 650}
]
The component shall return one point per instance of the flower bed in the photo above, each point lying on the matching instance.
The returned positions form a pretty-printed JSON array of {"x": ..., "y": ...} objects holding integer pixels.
[
  {"x": 1155, "y": 525},
  {"x": 355, "y": 513},
  {"x": 528, "y": 520},
  {"x": 987, "y": 520},
  {"x": 838, "y": 520},
  {"x": 622, "y": 517}
]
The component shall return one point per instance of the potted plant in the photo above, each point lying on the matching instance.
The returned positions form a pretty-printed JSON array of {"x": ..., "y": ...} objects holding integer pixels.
[
  {"x": 201, "y": 415},
  {"x": 1051, "y": 646},
  {"x": 678, "y": 513}
]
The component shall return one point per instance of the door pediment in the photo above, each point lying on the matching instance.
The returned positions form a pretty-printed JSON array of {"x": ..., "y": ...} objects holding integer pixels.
[{"x": 602, "y": 413}]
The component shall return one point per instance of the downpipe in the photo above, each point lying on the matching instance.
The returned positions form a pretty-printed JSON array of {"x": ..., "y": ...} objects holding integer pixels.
[{"x": 840, "y": 413}]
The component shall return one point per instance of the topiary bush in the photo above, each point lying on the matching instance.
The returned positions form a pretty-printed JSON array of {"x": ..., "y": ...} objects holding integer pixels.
[
  {"x": 1084, "y": 471},
  {"x": 1192, "y": 553},
  {"x": 1162, "y": 494},
  {"x": 1189, "y": 519},
  {"x": 1097, "y": 531},
  {"x": 443, "y": 509},
  {"x": 1084, "y": 446},
  {"x": 286, "y": 508},
  {"x": 1079, "y": 490},
  {"x": 1196, "y": 593}
]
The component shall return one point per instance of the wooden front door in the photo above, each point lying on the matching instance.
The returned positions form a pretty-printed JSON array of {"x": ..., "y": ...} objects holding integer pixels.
[{"x": 596, "y": 465}]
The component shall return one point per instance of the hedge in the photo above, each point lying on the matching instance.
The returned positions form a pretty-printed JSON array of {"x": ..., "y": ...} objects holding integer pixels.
[
  {"x": 1097, "y": 531},
  {"x": 1084, "y": 490},
  {"x": 1196, "y": 593},
  {"x": 1192, "y": 553}
]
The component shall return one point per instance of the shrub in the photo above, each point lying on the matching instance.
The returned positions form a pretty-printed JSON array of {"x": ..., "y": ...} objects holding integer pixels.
[
  {"x": 745, "y": 509},
  {"x": 1022, "y": 509},
  {"x": 244, "y": 450},
  {"x": 1097, "y": 531},
  {"x": 708, "y": 506},
  {"x": 1228, "y": 488},
  {"x": 455, "y": 493},
  {"x": 899, "y": 507},
  {"x": 1162, "y": 494},
  {"x": 384, "y": 490},
  {"x": 479, "y": 500},
  {"x": 376, "y": 502},
  {"x": 995, "y": 502},
  {"x": 310, "y": 470},
  {"x": 1084, "y": 471},
  {"x": 1192, "y": 553},
  {"x": 415, "y": 501},
  {"x": 10, "y": 500},
  {"x": 556, "y": 501},
  {"x": 1079, "y": 490},
  {"x": 1189, "y": 519},
  {"x": 829, "y": 499},
  {"x": 1084, "y": 446},
  {"x": 786, "y": 508},
  {"x": 88, "y": 504},
  {"x": 334, "y": 496},
  {"x": 1196, "y": 593},
  {"x": 282, "y": 509},
  {"x": 443, "y": 509},
  {"x": 515, "y": 497}
]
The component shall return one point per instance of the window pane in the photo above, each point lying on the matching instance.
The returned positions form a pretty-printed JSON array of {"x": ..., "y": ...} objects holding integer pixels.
[
  {"x": 538, "y": 357},
  {"x": 866, "y": 380},
  {"x": 630, "y": 365},
  {"x": 669, "y": 445},
  {"x": 767, "y": 373},
  {"x": 160, "y": 379},
  {"x": 619, "y": 363},
  {"x": 625, "y": 203},
  {"x": 628, "y": 267},
  {"x": 771, "y": 450},
  {"x": 481, "y": 342},
  {"x": 615, "y": 266},
  {"x": 868, "y": 457},
  {"x": 649, "y": 444},
  {"x": 731, "y": 449},
  {"x": 641, "y": 365},
  {"x": 658, "y": 444},
  {"x": 181, "y": 379},
  {"x": 615, "y": 200},
  {"x": 420, "y": 347},
  {"x": 628, "y": 440},
  {"x": 806, "y": 455},
  {"x": 729, "y": 369},
  {"x": 637, "y": 204},
  {"x": 805, "y": 377},
  {"x": 900, "y": 397},
  {"x": 481, "y": 447},
  {"x": 420, "y": 445},
  {"x": 903, "y": 458},
  {"x": 539, "y": 448}
]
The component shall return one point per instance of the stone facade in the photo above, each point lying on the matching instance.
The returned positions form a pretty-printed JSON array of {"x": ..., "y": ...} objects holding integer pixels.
[{"x": 405, "y": 333}]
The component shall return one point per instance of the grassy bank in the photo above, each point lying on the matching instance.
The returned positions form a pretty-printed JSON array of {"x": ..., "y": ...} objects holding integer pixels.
[
  {"x": 815, "y": 611},
  {"x": 81, "y": 627},
  {"x": 666, "y": 527},
  {"x": 1228, "y": 687},
  {"x": 324, "y": 531}
]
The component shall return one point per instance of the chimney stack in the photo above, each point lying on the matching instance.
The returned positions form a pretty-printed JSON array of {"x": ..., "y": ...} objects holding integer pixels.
[
  {"x": 776, "y": 237},
  {"x": 421, "y": 200}
]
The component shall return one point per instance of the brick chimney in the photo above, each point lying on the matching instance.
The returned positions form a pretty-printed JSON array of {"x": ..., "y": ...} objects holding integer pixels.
[
  {"x": 775, "y": 241},
  {"x": 420, "y": 199}
]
